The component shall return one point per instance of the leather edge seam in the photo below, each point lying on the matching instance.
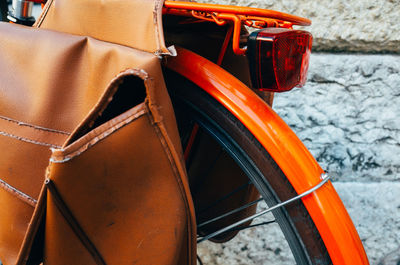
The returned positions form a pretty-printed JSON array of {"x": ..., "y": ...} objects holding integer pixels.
[
  {"x": 42, "y": 16},
  {"x": 32, "y": 126},
  {"x": 159, "y": 30},
  {"x": 87, "y": 141},
  {"x": 105, "y": 99},
  {"x": 17, "y": 193},
  {"x": 164, "y": 140},
  {"x": 27, "y": 140}
]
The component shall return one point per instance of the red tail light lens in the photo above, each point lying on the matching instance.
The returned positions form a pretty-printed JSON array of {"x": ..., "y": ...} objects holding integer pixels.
[{"x": 279, "y": 58}]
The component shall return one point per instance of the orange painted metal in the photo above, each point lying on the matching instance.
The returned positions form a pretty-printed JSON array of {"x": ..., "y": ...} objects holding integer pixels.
[
  {"x": 190, "y": 143},
  {"x": 222, "y": 14},
  {"x": 224, "y": 46},
  {"x": 237, "y": 10},
  {"x": 237, "y": 24},
  {"x": 302, "y": 170}
]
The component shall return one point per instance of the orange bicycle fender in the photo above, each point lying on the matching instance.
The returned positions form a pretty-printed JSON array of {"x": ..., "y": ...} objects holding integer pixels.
[{"x": 324, "y": 205}]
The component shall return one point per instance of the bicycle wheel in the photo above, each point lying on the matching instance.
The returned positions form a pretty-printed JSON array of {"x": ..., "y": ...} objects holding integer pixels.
[{"x": 193, "y": 108}]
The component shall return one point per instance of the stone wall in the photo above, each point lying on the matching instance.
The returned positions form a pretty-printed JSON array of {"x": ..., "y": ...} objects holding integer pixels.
[
  {"x": 340, "y": 25},
  {"x": 348, "y": 115}
]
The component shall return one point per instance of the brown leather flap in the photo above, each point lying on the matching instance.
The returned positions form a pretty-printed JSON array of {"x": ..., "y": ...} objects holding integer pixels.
[
  {"x": 55, "y": 90},
  {"x": 133, "y": 23},
  {"x": 57, "y": 79}
]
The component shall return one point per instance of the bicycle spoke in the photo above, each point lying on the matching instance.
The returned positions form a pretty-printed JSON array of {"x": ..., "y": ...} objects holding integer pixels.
[
  {"x": 324, "y": 178},
  {"x": 225, "y": 197},
  {"x": 251, "y": 226},
  {"x": 229, "y": 213},
  {"x": 198, "y": 259}
]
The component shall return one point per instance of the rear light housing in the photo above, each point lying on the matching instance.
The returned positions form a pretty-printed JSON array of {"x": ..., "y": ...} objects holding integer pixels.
[{"x": 278, "y": 58}]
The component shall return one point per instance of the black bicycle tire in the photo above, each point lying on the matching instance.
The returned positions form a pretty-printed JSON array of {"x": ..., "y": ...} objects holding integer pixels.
[{"x": 309, "y": 248}]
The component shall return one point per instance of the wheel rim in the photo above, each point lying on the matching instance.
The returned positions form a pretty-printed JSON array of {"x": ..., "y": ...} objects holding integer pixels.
[{"x": 254, "y": 174}]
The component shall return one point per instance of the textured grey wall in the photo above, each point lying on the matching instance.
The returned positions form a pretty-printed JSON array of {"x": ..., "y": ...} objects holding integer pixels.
[
  {"x": 348, "y": 115},
  {"x": 341, "y": 25}
]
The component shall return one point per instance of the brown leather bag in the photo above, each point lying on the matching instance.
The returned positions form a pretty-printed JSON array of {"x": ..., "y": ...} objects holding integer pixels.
[{"x": 91, "y": 118}]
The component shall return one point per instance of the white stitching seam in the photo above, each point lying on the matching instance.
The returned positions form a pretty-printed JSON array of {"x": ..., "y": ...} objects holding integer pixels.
[
  {"x": 28, "y": 140},
  {"x": 44, "y": 14},
  {"x": 19, "y": 194},
  {"x": 21, "y": 123},
  {"x": 155, "y": 20},
  {"x": 98, "y": 138}
]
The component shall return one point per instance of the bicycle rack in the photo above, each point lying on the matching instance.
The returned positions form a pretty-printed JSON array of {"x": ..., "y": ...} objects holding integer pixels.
[{"x": 236, "y": 16}]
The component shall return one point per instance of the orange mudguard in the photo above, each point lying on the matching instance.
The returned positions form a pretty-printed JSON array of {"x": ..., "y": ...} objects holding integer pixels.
[{"x": 300, "y": 167}]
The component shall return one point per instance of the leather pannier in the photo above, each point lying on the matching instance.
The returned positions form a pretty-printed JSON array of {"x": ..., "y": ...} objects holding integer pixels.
[{"x": 91, "y": 167}]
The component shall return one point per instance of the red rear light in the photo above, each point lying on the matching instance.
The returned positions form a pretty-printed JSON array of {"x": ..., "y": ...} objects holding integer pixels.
[{"x": 279, "y": 58}]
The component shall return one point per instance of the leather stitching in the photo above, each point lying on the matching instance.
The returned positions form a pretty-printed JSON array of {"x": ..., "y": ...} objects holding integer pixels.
[
  {"x": 171, "y": 160},
  {"x": 28, "y": 140},
  {"x": 105, "y": 98},
  {"x": 97, "y": 138},
  {"x": 43, "y": 14},
  {"x": 156, "y": 29},
  {"x": 17, "y": 193},
  {"x": 21, "y": 123}
]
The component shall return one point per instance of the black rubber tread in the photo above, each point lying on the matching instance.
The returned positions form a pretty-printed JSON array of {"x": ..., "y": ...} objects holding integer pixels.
[{"x": 305, "y": 240}]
